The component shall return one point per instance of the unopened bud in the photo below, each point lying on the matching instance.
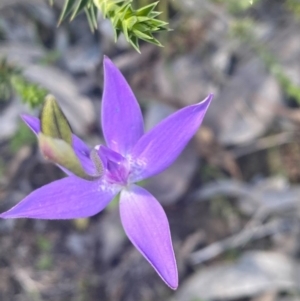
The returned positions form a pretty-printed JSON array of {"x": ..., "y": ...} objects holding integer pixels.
[
  {"x": 53, "y": 121},
  {"x": 60, "y": 152}
]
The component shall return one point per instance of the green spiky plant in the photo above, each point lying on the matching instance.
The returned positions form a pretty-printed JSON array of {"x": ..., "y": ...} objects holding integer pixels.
[{"x": 135, "y": 24}]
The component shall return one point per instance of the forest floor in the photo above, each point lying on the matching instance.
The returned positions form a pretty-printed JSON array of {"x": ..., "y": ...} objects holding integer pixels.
[{"x": 233, "y": 196}]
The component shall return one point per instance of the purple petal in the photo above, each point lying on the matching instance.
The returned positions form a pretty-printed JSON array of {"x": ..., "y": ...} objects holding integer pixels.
[
  {"x": 146, "y": 225},
  {"x": 122, "y": 120},
  {"x": 68, "y": 198},
  {"x": 32, "y": 122},
  {"x": 81, "y": 149},
  {"x": 159, "y": 148}
]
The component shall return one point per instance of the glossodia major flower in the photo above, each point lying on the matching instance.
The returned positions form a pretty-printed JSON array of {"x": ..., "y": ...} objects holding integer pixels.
[{"x": 97, "y": 175}]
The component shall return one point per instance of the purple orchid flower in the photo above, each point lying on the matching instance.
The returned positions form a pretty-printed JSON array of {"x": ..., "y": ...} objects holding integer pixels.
[{"x": 129, "y": 157}]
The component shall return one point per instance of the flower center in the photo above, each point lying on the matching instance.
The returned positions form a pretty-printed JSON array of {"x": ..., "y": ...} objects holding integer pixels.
[{"x": 116, "y": 166}]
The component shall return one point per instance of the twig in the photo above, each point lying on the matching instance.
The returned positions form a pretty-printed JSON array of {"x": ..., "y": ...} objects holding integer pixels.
[
  {"x": 263, "y": 143},
  {"x": 237, "y": 240}
]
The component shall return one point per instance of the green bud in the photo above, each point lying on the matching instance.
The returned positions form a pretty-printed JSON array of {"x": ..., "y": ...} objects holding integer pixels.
[
  {"x": 55, "y": 140},
  {"x": 53, "y": 121},
  {"x": 60, "y": 152}
]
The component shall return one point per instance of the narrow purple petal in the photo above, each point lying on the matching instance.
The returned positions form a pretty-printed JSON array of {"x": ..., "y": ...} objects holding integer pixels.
[
  {"x": 146, "y": 225},
  {"x": 122, "y": 120},
  {"x": 32, "y": 122},
  {"x": 81, "y": 149},
  {"x": 159, "y": 148},
  {"x": 68, "y": 198}
]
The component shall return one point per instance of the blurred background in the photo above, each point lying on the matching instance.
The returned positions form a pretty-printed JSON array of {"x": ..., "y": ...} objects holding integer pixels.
[{"x": 232, "y": 197}]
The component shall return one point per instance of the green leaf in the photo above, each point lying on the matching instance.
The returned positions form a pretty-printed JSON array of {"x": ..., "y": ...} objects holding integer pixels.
[
  {"x": 133, "y": 40},
  {"x": 158, "y": 23},
  {"x": 117, "y": 33},
  {"x": 152, "y": 41},
  {"x": 94, "y": 14},
  {"x": 146, "y": 10},
  {"x": 130, "y": 22},
  {"x": 91, "y": 13},
  {"x": 67, "y": 9},
  {"x": 142, "y": 35},
  {"x": 154, "y": 14},
  {"x": 79, "y": 7},
  {"x": 142, "y": 27},
  {"x": 143, "y": 19}
]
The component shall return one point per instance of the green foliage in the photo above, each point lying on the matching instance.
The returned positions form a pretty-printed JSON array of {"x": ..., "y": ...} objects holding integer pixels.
[
  {"x": 291, "y": 89},
  {"x": 43, "y": 244},
  {"x": 135, "y": 24},
  {"x": 45, "y": 260},
  {"x": 6, "y": 73},
  {"x": 12, "y": 80},
  {"x": 162, "y": 6},
  {"x": 23, "y": 136},
  {"x": 30, "y": 93},
  {"x": 73, "y": 7},
  {"x": 236, "y": 7},
  {"x": 243, "y": 30},
  {"x": 231, "y": 255},
  {"x": 223, "y": 208},
  {"x": 293, "y": 6}
]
